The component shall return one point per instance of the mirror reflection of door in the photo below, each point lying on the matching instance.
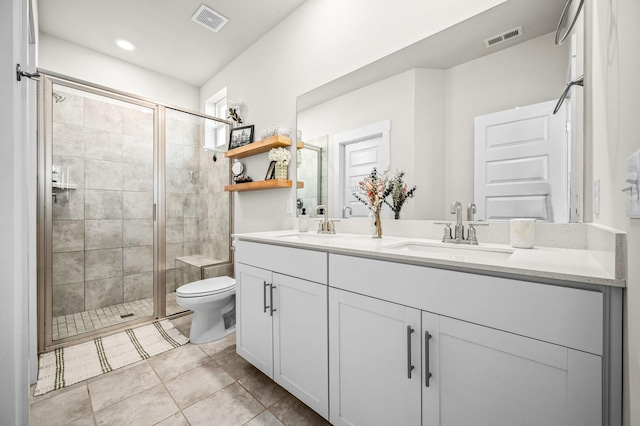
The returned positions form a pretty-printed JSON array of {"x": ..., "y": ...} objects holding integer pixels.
[
  {"x": 359, "y": 150},
  {"x": 359, "y": 160},
  {"x": 521, "y": 164}
]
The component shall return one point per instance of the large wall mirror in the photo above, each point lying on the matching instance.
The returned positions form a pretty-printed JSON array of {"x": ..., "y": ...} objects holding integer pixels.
[{"x": 467, "y": 114}]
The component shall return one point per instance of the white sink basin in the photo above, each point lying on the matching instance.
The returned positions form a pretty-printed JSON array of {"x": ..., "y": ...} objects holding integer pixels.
[{"x": 446, "y": 249}]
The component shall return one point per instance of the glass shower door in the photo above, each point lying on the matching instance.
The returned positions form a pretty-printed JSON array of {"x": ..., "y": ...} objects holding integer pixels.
[{"x": 100, "y": 197}]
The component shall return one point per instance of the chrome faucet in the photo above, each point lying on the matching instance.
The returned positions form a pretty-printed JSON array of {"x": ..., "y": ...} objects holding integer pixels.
[
  {"x": 325, "y": 226},
  {"x": 344, "y": 212},
  {"x": 458, "y": 234}
]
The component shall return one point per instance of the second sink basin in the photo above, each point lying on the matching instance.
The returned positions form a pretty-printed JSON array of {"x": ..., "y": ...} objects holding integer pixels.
[{"x": 470, "y": 251}]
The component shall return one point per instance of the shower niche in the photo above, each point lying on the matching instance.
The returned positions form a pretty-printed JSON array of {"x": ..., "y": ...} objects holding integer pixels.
[{"x": 129, "y": 191}]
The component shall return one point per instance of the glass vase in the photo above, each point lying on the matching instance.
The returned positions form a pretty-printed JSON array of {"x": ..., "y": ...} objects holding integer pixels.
[
  {"x": 281, "y": 171},
  {"x": 376, "y": 225}
]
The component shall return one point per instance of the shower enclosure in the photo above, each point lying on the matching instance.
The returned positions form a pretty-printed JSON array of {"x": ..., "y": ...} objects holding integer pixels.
[{"x": 131, "y": 206}]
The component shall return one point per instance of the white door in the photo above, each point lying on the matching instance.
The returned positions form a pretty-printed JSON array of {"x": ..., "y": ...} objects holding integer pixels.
[
  {"x": 355, "y": 153},
  {"x": 359, "y": 160},
  {"x": 371, "y": 352},
  {"x": 301, "y": 351},
  {"x": 253, "y": 317},
  {"x": 521, "y": 164},
  {"x": 494, "y": 378}
]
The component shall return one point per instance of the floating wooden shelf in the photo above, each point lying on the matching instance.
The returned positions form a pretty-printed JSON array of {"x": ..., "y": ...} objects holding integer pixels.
[
  {"x": 262, "y": 184},
  {"x": 258, "y": 147}
]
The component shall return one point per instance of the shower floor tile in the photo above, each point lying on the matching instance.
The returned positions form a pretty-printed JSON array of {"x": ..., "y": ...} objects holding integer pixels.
[{"x": 73, "y": 324}]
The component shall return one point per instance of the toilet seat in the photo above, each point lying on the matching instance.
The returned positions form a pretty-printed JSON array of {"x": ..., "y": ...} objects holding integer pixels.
[{"x": 206, "y": 287}]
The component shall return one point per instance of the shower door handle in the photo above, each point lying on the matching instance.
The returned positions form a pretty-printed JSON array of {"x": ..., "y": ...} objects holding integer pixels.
[{"x": 264, "y": 296}]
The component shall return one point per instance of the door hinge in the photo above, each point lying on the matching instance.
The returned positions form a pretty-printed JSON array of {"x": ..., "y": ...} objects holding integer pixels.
[{"x": 20, "y": 74}]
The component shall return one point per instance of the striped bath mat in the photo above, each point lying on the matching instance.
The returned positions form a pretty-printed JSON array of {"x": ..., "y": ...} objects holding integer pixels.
[{"x": 73, "y": 364}]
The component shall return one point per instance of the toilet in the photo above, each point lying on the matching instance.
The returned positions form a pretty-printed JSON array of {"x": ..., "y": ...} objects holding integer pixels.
[{"x": 211, "y": 300}]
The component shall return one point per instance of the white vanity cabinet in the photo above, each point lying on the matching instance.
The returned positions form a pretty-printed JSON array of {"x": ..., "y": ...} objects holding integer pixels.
[
  {"x": 375, "y": 341},
  {"x": 498, "y": 351},
  {"x": 281, "y": 323}
]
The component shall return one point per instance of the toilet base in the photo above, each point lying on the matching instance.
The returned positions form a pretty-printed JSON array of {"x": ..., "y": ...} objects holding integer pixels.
[{"x": 208, "y": 325}]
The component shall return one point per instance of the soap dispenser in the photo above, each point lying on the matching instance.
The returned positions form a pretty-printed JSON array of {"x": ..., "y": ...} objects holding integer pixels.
[{"x": 303, "y": 221}]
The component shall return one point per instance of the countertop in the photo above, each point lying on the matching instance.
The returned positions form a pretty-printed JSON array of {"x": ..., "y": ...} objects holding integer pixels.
[{"x": 556, "y": 264}]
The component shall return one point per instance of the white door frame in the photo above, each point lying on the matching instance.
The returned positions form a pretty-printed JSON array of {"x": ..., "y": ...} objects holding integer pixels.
[{"x": 340, "y": 140}]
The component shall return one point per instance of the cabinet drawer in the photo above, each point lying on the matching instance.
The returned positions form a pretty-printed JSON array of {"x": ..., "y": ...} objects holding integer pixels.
[
  {"x": 560, "y": 315},
  {"x": 306, "y": 264}
]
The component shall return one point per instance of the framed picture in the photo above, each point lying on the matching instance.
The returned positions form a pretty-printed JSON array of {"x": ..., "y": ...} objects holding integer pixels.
[
  {"x": 240, "y": 136},
  {"x": 271, "y": 171}
]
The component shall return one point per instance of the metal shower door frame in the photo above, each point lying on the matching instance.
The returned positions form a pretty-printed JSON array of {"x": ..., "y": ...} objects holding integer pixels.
[{"x": 44, "y": 204}]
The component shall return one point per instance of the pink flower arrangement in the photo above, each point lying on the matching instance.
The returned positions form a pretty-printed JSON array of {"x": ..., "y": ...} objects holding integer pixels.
[{"x": 371, "y": 191}]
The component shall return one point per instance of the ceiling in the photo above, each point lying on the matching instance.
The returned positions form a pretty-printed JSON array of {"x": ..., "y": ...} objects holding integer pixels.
[{"x": 167, "y": 40}]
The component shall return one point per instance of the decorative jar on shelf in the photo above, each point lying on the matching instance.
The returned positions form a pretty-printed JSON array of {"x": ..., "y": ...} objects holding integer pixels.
[
  {"x": 281, "y": 171},
  {"x": 275, "y": 129}
]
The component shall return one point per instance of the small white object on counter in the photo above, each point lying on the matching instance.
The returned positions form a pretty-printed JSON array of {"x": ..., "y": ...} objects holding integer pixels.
[
  {"x": 303, "y": 222},
  {"x": 523, "y": 233}
]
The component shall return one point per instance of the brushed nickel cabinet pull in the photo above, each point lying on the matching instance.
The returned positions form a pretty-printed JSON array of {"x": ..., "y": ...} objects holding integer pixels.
[
  {"x": 272, "y": 310},
  {"x": 264, "y": 296},
  {"x": 409, "y": 366},
  {"x": 427, "y": 374}
]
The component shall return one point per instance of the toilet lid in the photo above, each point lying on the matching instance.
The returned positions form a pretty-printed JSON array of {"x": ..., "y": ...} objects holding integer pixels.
[{"x": 206, "y": 287}]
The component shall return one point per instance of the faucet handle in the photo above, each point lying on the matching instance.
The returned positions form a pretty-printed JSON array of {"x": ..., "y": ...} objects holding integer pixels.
[
  {"x": 447, "y": 230},
  {"x": 471, "y": 232},
  {"x": 471, "y": 235}
]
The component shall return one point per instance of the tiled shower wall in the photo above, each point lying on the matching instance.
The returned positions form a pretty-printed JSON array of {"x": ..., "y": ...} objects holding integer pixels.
[
  {"x": 197, "y": 207},
  {"x": 103, "y": 230}
]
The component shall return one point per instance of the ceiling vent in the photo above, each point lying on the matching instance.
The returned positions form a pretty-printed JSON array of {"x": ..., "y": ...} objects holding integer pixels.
[
  {"x": 209, "y": 18},
  {"x": 501, "y": 38}
]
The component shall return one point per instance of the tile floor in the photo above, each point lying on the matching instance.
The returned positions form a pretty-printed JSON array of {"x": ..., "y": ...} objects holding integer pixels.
[
  {"x": 206, "y": 384},
  {"x": 95, "y": 319}
]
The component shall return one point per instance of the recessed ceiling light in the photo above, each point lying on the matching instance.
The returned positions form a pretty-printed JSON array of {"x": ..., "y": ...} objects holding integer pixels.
[{"x": 125, "y": 45}]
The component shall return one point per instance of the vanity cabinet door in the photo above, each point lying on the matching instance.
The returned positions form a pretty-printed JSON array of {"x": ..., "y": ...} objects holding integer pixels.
[
  {"x": 490, "y": 377},
  {"x": 253, "y": 317},
  {"x": 300, "y": 342},
  {"x": 370, "y": 356}
]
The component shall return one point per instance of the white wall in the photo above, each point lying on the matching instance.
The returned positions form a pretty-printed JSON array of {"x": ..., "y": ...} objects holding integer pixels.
[
  {"x": 320, "y": 41},
  {"x": 71, "y": 60},
  {"x": 430, "y": 145},
  {"x": 613, "y": 103},
  {"x": 16, "y": 230}
]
